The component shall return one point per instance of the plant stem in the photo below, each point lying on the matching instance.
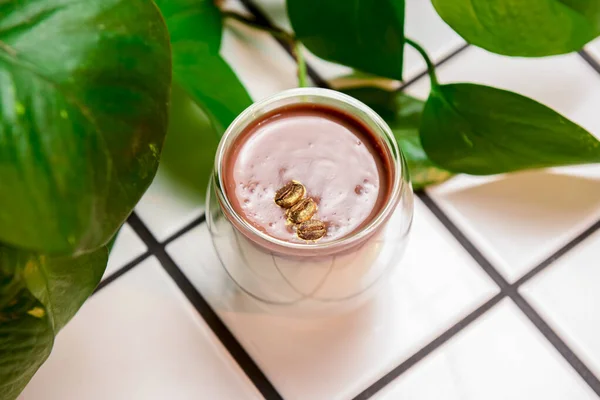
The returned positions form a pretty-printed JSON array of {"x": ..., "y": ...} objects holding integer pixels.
[
  {"x": 275, "y": 31},
  {"x": 430, "y": 66},
  {"x": 301, "y": 64},
  {"x": 295, "y": 45}
]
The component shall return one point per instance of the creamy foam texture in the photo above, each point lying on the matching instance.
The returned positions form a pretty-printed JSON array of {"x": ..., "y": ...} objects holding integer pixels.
[{"x": 340, "y": 162}]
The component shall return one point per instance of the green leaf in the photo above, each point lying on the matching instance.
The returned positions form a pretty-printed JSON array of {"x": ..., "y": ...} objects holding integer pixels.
[
  {"x": 531, "y": 28},
  {"x": 403, "y": 115},
  {"x": 365, "y": 34},
  {"x": 39, "y": 294},
  {"x": 482, "y": 130},
  {"x": 84, "y": 88},
  {"x": 196, "y": 28},
  {"x": 191, "y": 145}
]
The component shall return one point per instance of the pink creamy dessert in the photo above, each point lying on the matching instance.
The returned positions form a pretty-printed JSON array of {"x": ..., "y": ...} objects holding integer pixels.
[{"x": 343, "y": 165}]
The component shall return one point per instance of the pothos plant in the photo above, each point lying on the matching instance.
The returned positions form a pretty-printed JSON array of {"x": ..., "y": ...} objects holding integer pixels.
[{"x": 85, "y": 98}]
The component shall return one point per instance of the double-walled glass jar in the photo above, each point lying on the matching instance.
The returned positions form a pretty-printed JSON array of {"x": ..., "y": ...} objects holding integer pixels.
[{"x": 316, "y": 277}]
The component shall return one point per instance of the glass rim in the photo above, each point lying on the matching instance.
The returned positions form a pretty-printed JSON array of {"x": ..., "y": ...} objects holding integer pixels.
[{"x": 384, "y": 132}]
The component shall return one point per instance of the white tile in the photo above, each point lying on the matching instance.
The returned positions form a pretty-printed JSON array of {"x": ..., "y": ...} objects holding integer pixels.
[
  {"x": 567, "y": 295},
  {"x": 434, "y": 286},
  {"x": 501, "y": 356},
  {"x": 518, "y": 220},
  {"x": 168, "y": 206},
  {"x": 139, "y": 339},
  {"x": 421, "y": 24},
  {"x": 127, "y": 247}
]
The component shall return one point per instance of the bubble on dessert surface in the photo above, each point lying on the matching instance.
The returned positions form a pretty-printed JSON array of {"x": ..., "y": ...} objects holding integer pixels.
[{"x": 359, "y": 189}]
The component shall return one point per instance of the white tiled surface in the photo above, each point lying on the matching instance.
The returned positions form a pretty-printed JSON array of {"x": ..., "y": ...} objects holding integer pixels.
[
  {"x": 567, "y": 296},
  {"x": 139, "y": 338},
  {"x": 340, "y": 357},
  {"x": 498, "y": 358}
]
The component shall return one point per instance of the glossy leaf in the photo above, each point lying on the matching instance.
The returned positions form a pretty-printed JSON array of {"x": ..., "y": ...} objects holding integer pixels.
[
  {"x": 403, "y": 115},
  {"x": 38, "y": 295},
  {"x": 364, "y": 34},
  {"x": 482, "y": 130},
  {"x": 531, "y": 28},
  {"x": 190, "y": 147},
  {"x": 84, "y": 88},
  {"x": 196, "y": 28}
]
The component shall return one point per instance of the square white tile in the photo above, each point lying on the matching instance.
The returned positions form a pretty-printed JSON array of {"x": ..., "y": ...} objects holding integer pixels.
[
  {"x": 500, "y": 356},
  {"x": 127, "y": 247},
  {"x": 139, "y": 339},
  {"x": 421, "y": 24},
  {"x": 566, "y": 294},
  {"x": 518, "y": 220},
  {"x": 436, "y": 284}
]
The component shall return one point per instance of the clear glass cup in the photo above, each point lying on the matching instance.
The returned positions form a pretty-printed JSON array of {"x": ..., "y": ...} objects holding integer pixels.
[{"x": 322, "y": 277}]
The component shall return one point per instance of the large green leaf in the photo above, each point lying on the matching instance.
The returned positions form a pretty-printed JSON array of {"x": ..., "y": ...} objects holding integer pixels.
[
  {"x": 190, "y": 146},
  {"x": 530, "y": 28},
  {"x": 403, "y": 114},
  {"x": 84, "y": 87},
  {"x": 196, "y": 28},
  {"x": 364, "y": 34},
  {"x": 482, "y": 130},
  {"x": 38, "y": 295}
]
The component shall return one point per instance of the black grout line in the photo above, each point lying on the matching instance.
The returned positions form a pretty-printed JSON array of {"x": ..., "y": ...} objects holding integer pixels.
[
  {"x": 132, "y": 264},
  {"x": 121, "y": 271},
  {"x": 511, "y": 290},
  {"x": 568, "y": 354},
  {"x": 429, "y": 348},
  {"x": 483, "y": 262},
  {"x": 211, "y": 318},
  {"x": 185, "y": 229},
  {"x": 558, "y": 254},
  {"x": 506, "y": 288},
  {"x": 590, "y": 60}
]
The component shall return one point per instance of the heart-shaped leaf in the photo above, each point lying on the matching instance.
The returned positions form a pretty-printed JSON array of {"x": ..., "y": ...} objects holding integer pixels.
[
  {"x": 481, "y": 130},
  {"x": 196, "y": 28},
  {"x": 531, "y": 28},
  {"x": 365, "y": 34},
  {"x": 84, "y": 88},
  {"x": 39, "y": 294},
  {"x": 403, "y": 115}
]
